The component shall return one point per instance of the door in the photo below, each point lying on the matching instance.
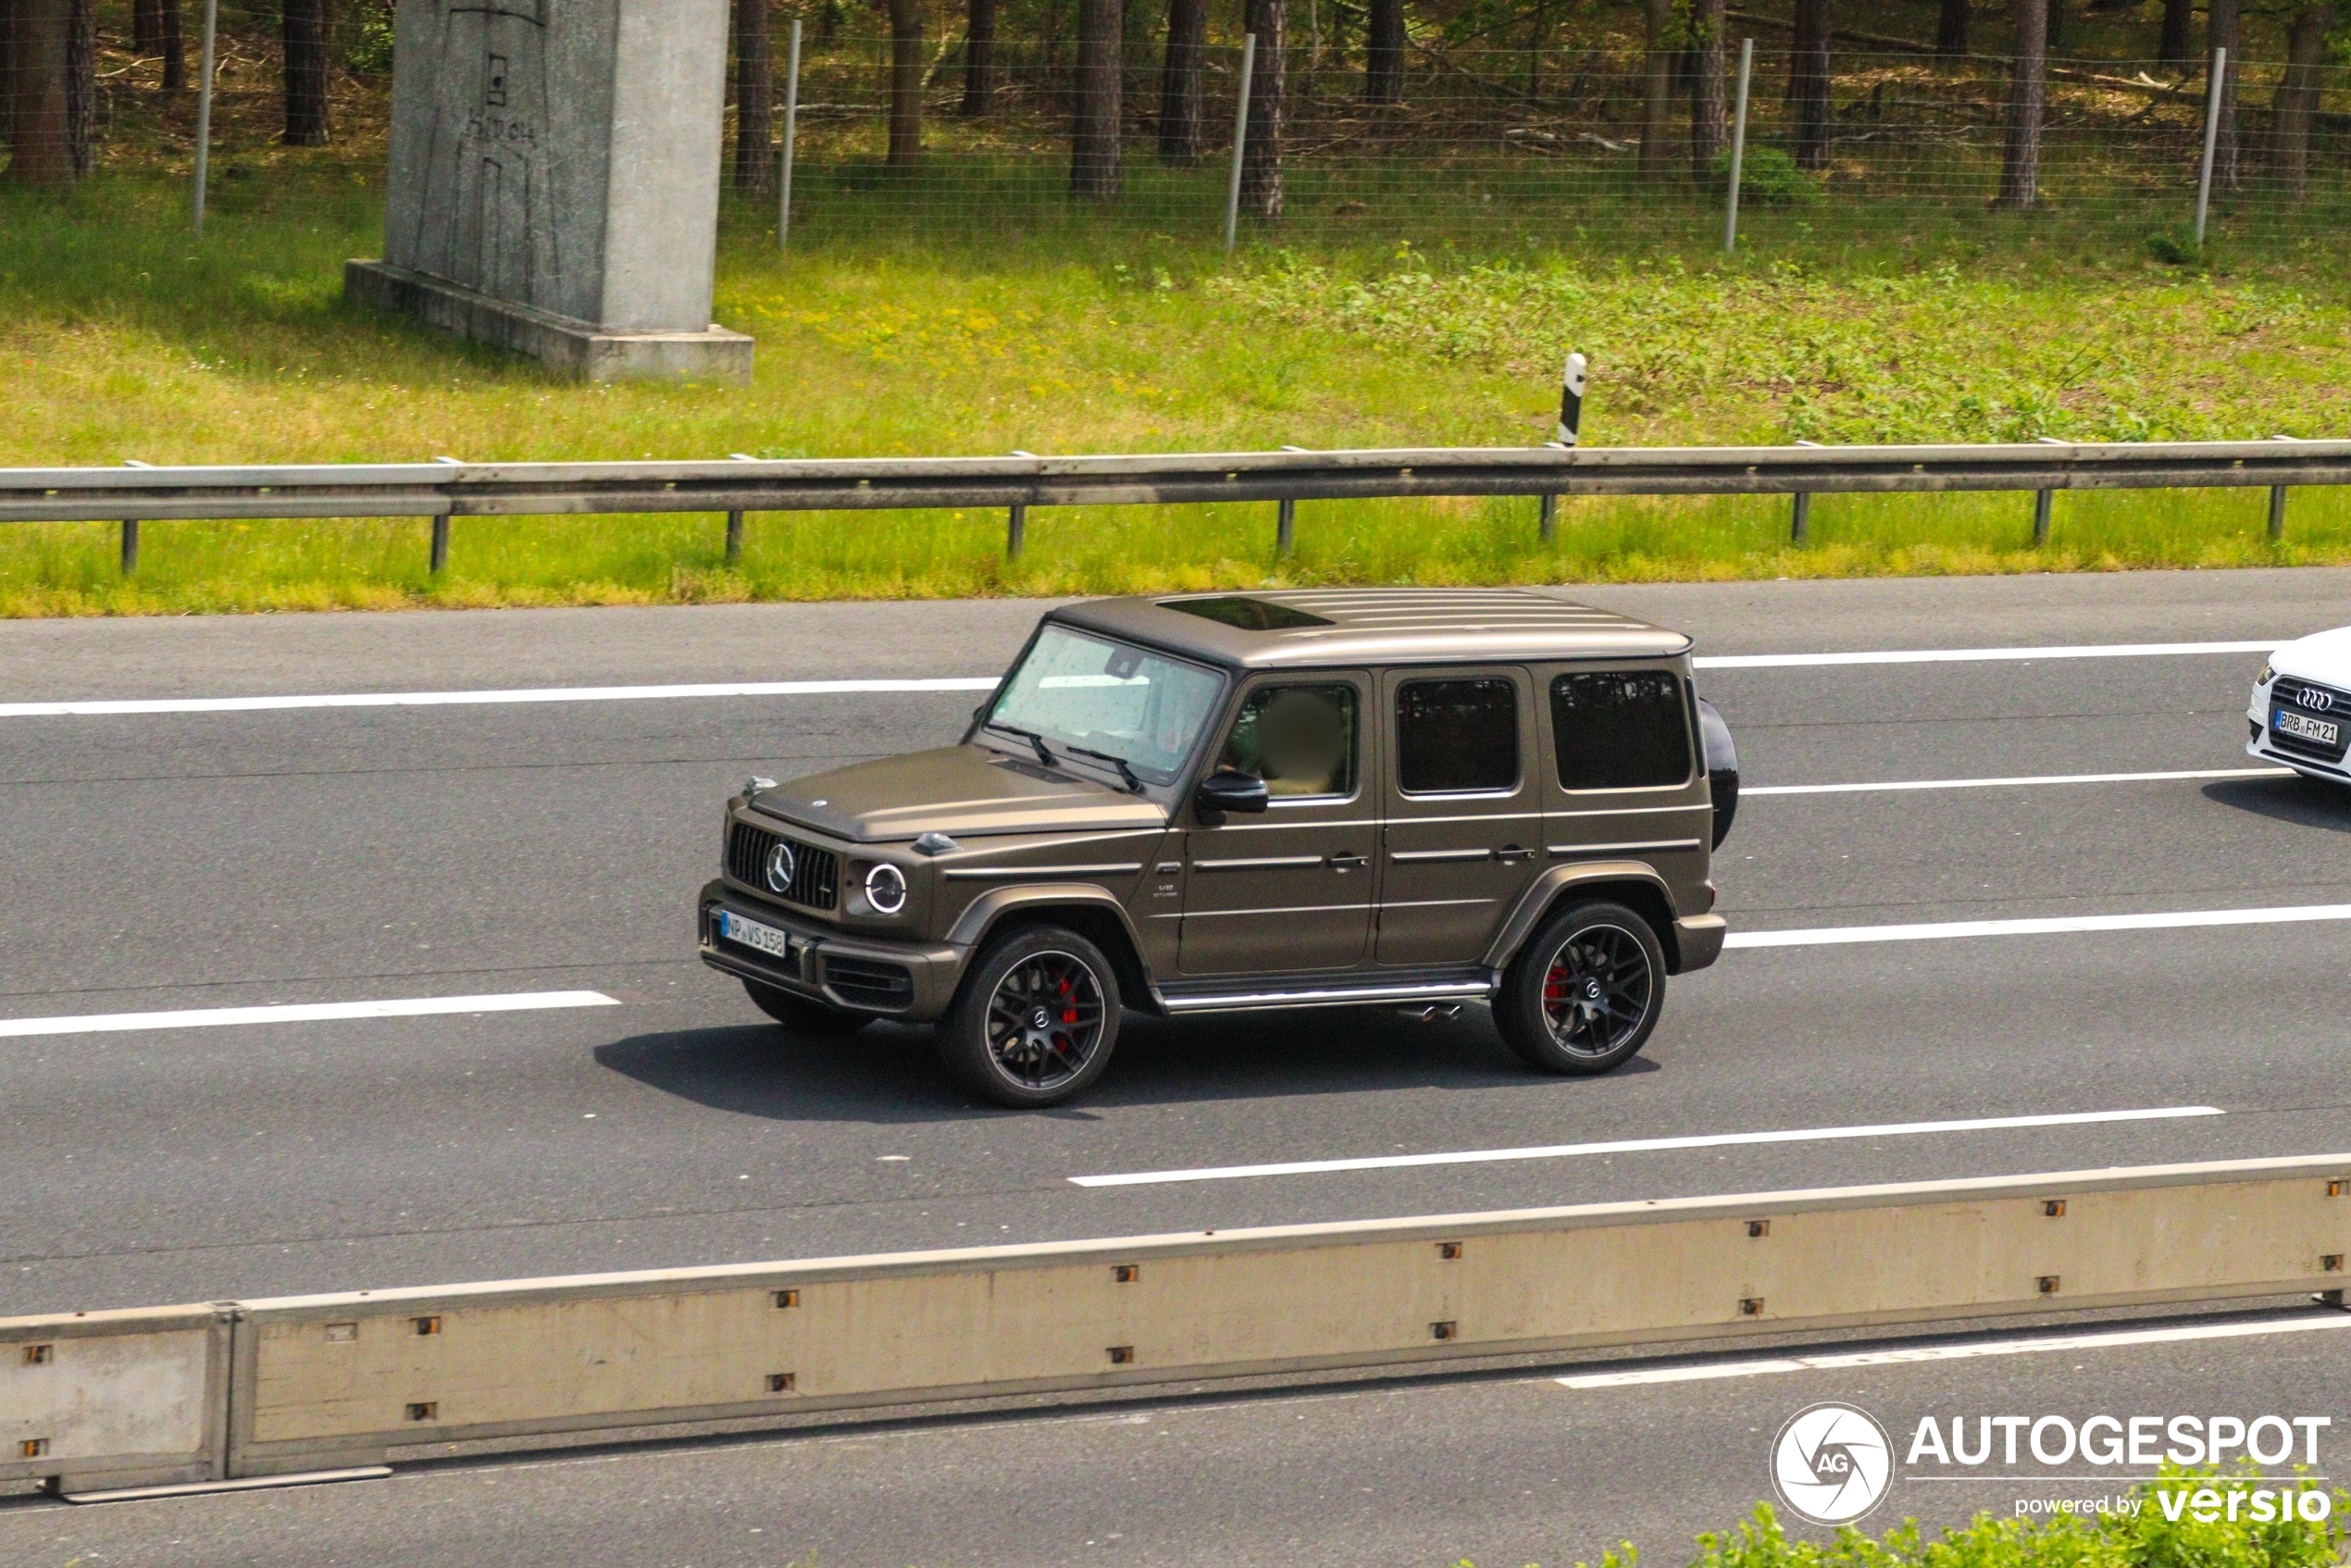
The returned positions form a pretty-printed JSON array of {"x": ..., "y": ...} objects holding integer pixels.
[
  {"x": 1463, "y": 830},
  {"x": 1627, "y": 781},
  {"x": 1290, "y": 890}
]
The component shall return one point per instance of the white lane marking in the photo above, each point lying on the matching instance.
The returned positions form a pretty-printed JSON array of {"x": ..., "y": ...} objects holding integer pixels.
[
  {"x": 1646, "y": 1145},
  {"x": 95, "y": 709},
  {"x": 1980, "y": 655},
  {"x": 2164, "y": 920},
  {"x": 492, "y": 697},
  {"x": 302, "y": 1012},
  {"x": 1750, "y": 790},
  {"x": 1703, "y": 1372}
]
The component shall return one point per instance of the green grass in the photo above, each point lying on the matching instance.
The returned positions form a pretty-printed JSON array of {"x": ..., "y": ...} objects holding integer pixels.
[{"x": 1073, "y": 332}]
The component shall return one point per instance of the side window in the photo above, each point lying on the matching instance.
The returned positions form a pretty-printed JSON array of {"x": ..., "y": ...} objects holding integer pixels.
[
  {"x": 1456, "y": 736},
  {"x": 1301, "y": 740},
  {"x": 1624, "y": 729}
]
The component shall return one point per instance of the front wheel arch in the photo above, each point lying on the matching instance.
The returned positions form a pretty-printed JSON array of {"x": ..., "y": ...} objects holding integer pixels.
[{"x": 1102, "y": 922}]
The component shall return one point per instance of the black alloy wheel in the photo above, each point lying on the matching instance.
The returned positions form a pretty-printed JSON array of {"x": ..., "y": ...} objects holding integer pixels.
[
  {"x": 1035, "y": 1018},
  {"x": 1584, "y": 993}
]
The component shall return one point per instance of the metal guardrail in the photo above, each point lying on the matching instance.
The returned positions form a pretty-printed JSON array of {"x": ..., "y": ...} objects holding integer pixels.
[
  {"x": 315, "y": 1385},
  {"x": 448, "y": 488}
]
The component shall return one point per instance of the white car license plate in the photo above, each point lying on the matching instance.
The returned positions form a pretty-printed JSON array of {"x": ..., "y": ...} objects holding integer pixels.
[
  {"x": 2302, "y": 727},
  {"x": 751, "y": 934}
]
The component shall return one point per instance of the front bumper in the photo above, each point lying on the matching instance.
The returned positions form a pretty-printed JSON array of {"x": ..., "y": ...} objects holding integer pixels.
[
  {"x": 1698, "y": 939},
  {"x": 2261, "y": 743},
  {"x": 910, "y": 981}
]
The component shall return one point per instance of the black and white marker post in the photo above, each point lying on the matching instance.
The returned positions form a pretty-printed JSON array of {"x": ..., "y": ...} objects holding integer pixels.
[{"x": 1570, "y": 424}]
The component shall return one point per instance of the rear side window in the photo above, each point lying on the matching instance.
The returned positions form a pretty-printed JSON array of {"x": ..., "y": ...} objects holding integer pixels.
[
  {"x": 1624, "y": 729},
  {"x": 1456, "y": 736}
]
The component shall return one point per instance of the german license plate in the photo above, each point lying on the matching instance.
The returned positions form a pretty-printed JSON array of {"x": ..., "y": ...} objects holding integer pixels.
[
  {"x": 751, "y": 934},
  {"x": 2302, "y": 727}
]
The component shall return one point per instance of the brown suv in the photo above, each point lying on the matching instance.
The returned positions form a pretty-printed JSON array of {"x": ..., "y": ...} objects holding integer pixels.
[{"x": 1218, "y": 802}]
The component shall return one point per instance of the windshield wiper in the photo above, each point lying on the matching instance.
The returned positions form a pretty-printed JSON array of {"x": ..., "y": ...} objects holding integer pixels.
[
  {"x": 1044, "y": 753},
  {"x": 1134, "y": 785}
]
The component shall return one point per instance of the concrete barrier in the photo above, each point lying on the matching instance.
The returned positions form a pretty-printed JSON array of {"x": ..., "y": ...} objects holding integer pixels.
[
  {"x": 324, "y": 1382},
  {"x": 97, "y": 1401}
]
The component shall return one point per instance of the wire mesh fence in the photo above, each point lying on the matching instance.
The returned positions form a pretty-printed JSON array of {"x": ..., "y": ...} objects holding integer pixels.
[{"x": 1475, "y": 145}]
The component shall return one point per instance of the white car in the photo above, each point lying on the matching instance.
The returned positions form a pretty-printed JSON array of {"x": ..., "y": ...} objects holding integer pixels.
[{"x": 2301, "y": 706}]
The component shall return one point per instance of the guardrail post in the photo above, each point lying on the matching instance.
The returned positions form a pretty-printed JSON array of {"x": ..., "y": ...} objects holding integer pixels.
[
  {"x": 440, "y": 544},
  {"x": 1016, "y": 530},
  {"x": 131, "y": 542},
  {"x": 1285, "y": 527},
  {"x": 1799, "y": 522},
  {"x": 2277, "y": 512},
  {"x": 1240, "y": 143},
  {"x": 734, "y": 537},
  {"x": 1547, "y": 519},
  {"x": 2211, "y": 139},
  {"x": 2041, "y": 502},
  {"x": 1738, "y": 148}
]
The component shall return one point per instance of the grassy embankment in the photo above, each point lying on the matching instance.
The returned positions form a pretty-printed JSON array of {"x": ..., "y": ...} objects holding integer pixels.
[{"x": 121, "y": 339}]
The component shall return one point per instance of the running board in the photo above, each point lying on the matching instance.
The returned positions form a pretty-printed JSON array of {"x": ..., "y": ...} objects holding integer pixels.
[{"x": 1330, "y": 996}]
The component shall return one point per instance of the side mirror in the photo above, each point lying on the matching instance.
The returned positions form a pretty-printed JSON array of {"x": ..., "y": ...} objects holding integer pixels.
[{"x": 1243, "y": 792}]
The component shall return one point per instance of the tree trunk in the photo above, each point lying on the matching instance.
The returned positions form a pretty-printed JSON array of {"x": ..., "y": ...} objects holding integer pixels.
[
  {"x": 1951, "y": 28},
  {"x": 146, "y": 26},
  {"x": 173, "y": 48},
  {"x": 1709, "y": 125},
  {"x": 81, "y": 87},
  {"x": 307, "y": 25},
  {"x": 2028, "y": 98},
  {"x": 979, "y": 58},
  {"x": 1657, "y": 98},
  {"x": 1181, "y": 112},
  {"x": 2296, "y": 103},
  {"x": 40, "y": 149},
  {"x": 1384, "y": 53},
  {"x": 1093, "y": 143},
  {"x": 1261, "y": 159},
  {"x": 905, "y": 84},
  {"x": 754, "y": 98},
  {"x": 2225, "y": 29},
  {"x": 1807, "y": 82},
  {"x": 2178, "y": 48}
]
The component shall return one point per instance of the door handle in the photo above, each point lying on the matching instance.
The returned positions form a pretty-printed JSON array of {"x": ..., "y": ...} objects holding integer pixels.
[
  {"x": 1344, "y": 860},
  {"x": 1511, "y": 852}
]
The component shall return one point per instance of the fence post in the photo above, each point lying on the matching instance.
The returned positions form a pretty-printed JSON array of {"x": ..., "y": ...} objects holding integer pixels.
[
  {"x": 791, "y": 119},
  {"x": 1240, "y": 143},
  {"x": 2211, "y": 137},
  {"x": 1738, "y": 147},
  {"x": 204, "y": 108}
]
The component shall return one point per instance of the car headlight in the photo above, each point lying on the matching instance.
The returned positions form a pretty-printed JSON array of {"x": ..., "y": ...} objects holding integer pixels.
[
  {"x": 885, "y": 889},
  {"x": 2267, "y": 675}
]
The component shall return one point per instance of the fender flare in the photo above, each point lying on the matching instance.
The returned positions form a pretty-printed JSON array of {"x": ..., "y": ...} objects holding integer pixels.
[
  {"x": 984, "y": 913},
  {"x": 1544, "y": 890}
]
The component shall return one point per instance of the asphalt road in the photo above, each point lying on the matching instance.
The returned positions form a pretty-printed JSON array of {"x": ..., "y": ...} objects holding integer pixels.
[{"x": 205, "y": 860}]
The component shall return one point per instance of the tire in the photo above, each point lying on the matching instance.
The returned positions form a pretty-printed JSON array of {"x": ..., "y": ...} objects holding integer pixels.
[
  {"x": 1035, "y": 1020},
  {"x": 802, "y": 1016},
  {"x": 1588, "y": 956}
]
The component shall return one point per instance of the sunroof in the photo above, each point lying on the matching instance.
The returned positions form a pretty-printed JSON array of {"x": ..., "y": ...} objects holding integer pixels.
[{"x": 1249, "y": 614}]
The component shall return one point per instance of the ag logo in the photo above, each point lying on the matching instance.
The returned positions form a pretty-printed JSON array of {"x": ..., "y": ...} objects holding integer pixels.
[{"x": 1831, "y": 1463}]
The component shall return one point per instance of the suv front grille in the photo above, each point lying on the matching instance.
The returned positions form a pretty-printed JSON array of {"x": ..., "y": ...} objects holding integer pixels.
[
  {"x": 2333, "y": 705},
  {"x": 815, "y": 873}
]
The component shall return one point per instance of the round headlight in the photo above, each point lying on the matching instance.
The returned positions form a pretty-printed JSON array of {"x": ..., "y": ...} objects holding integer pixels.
[
  {"x": 781, "y": 866},
  {"x": 885, "y": 889}
]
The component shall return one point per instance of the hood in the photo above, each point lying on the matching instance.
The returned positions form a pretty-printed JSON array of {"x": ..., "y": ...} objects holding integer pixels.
[
  {"x": 960, "y": 790},
  {"x": 2323, "y": 657}
]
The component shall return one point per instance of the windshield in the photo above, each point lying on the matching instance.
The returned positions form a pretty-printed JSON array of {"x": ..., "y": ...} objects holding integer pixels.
[{"x": 1078, "y": 690}]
